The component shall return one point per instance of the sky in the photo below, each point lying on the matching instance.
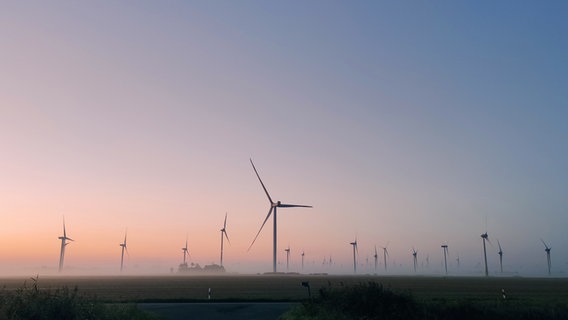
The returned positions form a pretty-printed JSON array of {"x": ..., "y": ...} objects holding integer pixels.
[{"x": 405, "y": 124}]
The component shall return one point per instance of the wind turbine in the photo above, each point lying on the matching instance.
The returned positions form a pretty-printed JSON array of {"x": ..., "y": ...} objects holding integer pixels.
[
  {"x": 287, "y": 257},
  {"x": 123, "y": 245},
  {"x": 547, "y": 249},
  {"x": 302, "y": 259},
  {"x": 414, "y": 257},
  {"x": 485, "y": 238},
  {"x": 500, "y": 256},
  {"x": 385, "y": 255},
  {"x": 445, "y": 249},
  {"x": 64, "y": 243},
  {"x": 273, "y": 206},
  {"x": 376, "y": 256},
  {"x": 223, "y": 233},
  {"x": 185, "y": 251},
  {"x": 355, "y": 252}
]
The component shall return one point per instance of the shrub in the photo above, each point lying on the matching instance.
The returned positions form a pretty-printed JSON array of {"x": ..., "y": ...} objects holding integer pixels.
[
  {"x": 30, "y": 302},
  {"x": 372, "y": 301}
]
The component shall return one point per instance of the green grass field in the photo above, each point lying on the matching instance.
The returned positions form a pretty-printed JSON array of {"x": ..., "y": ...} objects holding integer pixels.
[{"x": 288, "y": 287}]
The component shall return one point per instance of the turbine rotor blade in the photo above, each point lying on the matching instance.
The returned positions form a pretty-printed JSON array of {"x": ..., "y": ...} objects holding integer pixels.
[
  {"x": 262, "y": 226},
  {"x": 544, "y": 243},
  {"x": 263, "y": 187},
  {"x": 293, "y": 206},
  {"x": 226, "y": 236},
  {"x": 225, "y": 223}
]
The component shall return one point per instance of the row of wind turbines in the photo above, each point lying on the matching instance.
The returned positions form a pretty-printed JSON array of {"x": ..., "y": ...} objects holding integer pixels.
[
  {"x": 278, "y": 204},
  {"x": 445, "y": 252},
  {"x": 124, "y": 248},
  {"x": 273, "y": 212}
]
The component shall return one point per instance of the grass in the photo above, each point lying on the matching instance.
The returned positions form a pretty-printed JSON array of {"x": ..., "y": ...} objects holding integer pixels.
[
  {"x": 31, "y": 302},
  {"x": 432, "y": 297},
  {"x": 174, "y": 288}
]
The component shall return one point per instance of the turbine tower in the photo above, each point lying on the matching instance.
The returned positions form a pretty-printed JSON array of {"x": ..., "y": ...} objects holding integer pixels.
[
  {"x": 485, "y": 238},
  {"x": 273, "y": 206},
  {"x": 223, "y": 233},
  {"x": 64, "y": 243},
  {"x": 547, "y": 249},
  {"x": 124, "y": 247},
  {"x": 445, "y": 249},
  {"x": 302, "y": 259},
  {"x": 185, "y": 251},
  {"x": 287, "y": 258},
  {"x": 376, "y": 256},
  {"x": 500, "y": 256},
  {"x": 414, "y": 257},
  {"x": 355, "y": 252}
]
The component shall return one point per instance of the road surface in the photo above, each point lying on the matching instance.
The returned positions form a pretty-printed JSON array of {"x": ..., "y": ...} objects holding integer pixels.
[{"x": 219, "y": 311}]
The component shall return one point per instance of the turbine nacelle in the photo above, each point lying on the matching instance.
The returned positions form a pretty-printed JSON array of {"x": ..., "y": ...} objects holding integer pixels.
[{"x": 484, "y": 236}]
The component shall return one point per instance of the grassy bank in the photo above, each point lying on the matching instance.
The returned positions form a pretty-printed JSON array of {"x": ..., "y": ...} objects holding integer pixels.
[
  {"x": 31, "y": 302},
  {"x": 373, "y": 301}
]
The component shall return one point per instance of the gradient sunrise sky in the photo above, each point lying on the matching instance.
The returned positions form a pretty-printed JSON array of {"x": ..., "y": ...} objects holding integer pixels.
[{"x": 407, "y": 123}]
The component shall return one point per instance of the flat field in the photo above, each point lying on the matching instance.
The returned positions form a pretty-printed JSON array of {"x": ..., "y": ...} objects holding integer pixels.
[{"x": 176, "y": 288}]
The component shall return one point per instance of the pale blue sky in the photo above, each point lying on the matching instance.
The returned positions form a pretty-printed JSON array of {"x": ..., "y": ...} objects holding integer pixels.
[{"x": 400, "y": 122}]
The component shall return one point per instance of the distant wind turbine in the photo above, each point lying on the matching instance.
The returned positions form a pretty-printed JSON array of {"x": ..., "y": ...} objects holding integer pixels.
[
  {"x": 64, "y": 243},
  {"x": 273, "y": 206},
  {"x": 415, "y": 258},
  {"x": 223, "y": 233},
  {"x": 385, "y": 255},
  {"x": 376, "y": 256},
  {"x": 500, "y": 256},
  {"x": 302, "y": 259},
  {"x": 185, "y": 251},
  {"x": 355, "y": 252},
  {"x": 547, "y": 249},
  {"x": 124, "y": 247},
  {"x": 287, "y": 258},
  {"x": 445, "y": 249},
  {"x": 485, "y": 237}
]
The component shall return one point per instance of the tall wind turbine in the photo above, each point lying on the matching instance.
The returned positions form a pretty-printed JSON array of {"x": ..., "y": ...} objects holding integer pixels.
[
  {"x": 376, "y": 256},
  {"x": 385, "y": 255},
  {"x": 273, "y": 206},
  {"x": 500, "y": 256},
  {"x": 415, "y": 258},
  {"x": 303, "y": 254},
  {"x": 64, "y": 243},
  {"x": 123, "y": 245},
  {"x": 485, "y": 238},
  {"x": 223, "y": 233},
  {"x": 355, "y": 251},
  {"x": 445, "y": 249},
  {"x": 547, "y": 249},
  {"x": 185, "y": 251},
  {"x": 287, "y": 258}
]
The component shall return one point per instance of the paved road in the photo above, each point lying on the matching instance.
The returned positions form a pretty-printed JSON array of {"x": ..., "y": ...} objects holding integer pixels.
[{"x": 219, "y": 311}]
